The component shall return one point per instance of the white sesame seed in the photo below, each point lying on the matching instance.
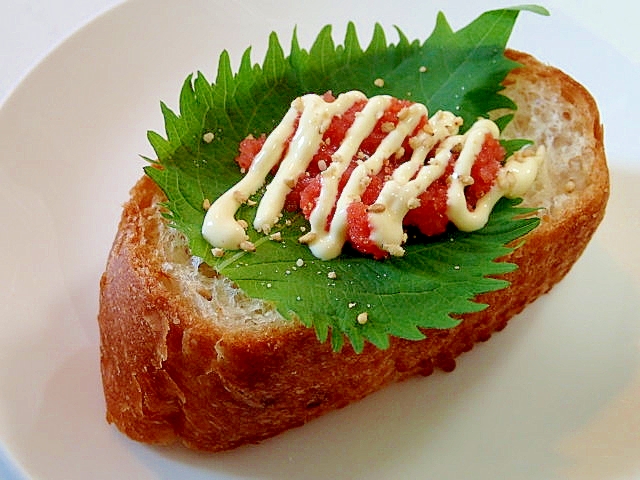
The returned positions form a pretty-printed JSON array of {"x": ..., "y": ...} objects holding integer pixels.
[
  {"x": 332, "y": 275},
  {"x": 239, "y": 197},
  {"x": 467, "y": 180},
  {"x": 307, "y": 237},
  {"x": 208, "y": 137},
  {"x": 413, "y": 203},
  {"x": 299, "y": 262},
  {"x": 247, "y": 246},
  {"x": 376, "y": 208},
  {"x": 379, "y": 82},
  {"x": 217, "y": 252},
  {"x": 395, "y": 250},
  {"x": 387, "y": 127},
  {"x": 363, "y": 318}
]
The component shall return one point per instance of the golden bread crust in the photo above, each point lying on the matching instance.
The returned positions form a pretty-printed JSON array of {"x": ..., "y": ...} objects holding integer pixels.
[{"x": 171, "y": 375}]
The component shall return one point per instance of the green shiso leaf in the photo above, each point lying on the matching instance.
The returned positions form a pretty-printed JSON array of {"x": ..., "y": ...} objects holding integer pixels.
[{"x": 435, "y": 281}]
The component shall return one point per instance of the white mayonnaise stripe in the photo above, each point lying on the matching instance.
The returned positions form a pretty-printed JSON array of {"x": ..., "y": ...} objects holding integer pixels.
[
  {"x": 514, "y": 179},
  {"x": 440, "y": 127},
  {"x": 399, "y": 194},
  {"x": 327, "y": 245},
  {"x": 316, "y": 115},
  {"x": 220, "y": 227},
  {"x": 364, "y": 123},
  {"x": 457, "y": 209}
]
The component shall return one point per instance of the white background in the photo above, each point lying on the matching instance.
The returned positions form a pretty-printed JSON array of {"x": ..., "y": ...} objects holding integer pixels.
[
  {"x": 607, "y": 405},
  {"x": 31, "y": 29}
]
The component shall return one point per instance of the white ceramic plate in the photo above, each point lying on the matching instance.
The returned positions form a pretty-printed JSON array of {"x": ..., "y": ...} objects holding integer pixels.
[{"x": 556, "y": 395}]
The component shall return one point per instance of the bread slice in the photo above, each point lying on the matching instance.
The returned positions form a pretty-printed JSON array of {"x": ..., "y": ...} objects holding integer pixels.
[{"x": 186, "y": 357}]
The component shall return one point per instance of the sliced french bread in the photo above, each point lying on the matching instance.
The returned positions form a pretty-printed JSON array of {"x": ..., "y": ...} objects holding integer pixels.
[{"x": 188, "y": 358}]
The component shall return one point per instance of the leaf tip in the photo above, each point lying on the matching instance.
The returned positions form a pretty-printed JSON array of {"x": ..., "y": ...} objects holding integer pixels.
[{"x": 533, "y": 8}]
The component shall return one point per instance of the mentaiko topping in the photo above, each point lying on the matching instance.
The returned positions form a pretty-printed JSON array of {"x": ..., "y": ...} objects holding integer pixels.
[{"x": 362, "y": 170}]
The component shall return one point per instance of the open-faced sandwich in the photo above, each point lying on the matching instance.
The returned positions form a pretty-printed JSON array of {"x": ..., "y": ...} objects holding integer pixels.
[{"x": 334, "y": 220}]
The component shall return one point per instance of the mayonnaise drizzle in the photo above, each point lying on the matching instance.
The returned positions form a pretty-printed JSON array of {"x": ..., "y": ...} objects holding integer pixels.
[{"x": 399, "y": 194}]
